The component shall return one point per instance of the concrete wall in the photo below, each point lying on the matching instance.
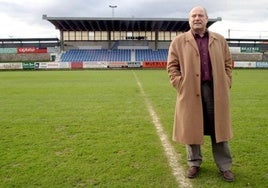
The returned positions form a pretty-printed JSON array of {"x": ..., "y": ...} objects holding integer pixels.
[
  {"x": 247, "y": 56},
  {"x": 24, "y": 57}
]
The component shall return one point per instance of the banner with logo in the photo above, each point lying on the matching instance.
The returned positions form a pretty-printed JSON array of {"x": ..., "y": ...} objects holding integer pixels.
[
  {"x": 10, "y": 66},
  {"x": 244, "y": 64},
  {"x": 23, "y": 50},
  {"x": 8, "y": 50},
  {"x": 154, "y": 64},
  {"x": 117, "y": 64},
  {"x": 262, "y": 64},
  {"x": 95, "y": 65}
]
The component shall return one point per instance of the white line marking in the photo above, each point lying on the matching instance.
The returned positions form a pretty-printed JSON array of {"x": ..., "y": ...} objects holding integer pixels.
[{"x": 172, "y": 157}]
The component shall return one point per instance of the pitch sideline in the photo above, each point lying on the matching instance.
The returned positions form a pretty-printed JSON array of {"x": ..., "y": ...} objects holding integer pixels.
[{"x": 172, "y": 156}]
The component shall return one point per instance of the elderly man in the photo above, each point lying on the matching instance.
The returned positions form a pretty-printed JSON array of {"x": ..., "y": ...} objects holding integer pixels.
[{"x": 199, "y": 68}]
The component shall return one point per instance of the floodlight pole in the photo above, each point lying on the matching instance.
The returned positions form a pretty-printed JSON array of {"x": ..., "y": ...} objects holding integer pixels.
[{"x": 113, "y": 7}]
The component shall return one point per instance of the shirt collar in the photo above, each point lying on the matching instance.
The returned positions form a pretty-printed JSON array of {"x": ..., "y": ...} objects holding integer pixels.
[{"x": 196, "y": 35}]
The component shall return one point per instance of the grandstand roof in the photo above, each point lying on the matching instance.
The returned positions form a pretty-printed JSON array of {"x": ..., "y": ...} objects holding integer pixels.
[{"x": 121, "y": 24}]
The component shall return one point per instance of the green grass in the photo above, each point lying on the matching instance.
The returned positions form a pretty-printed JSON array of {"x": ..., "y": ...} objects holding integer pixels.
[{"x": 92, "y": 129}]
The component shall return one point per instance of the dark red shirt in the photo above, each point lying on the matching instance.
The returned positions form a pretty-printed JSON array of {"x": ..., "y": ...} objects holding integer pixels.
[{"x": 206, "y": 69}]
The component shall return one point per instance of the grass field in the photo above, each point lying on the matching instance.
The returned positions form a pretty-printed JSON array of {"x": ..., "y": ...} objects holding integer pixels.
[{"x": 92, "y": 129}]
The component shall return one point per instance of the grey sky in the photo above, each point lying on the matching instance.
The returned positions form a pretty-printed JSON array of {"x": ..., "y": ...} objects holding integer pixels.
[{"x": 23, "y": 18}]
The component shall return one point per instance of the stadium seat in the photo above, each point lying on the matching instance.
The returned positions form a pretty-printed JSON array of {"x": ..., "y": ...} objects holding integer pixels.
[
  {"x": 151, "y": 55},
  {"x": 96, "y": 55},
  {"x": 114, "y": 55}
]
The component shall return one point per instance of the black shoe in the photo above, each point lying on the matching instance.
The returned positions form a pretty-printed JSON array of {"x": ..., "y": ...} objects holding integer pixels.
[
  {"x": 193, "y": 171},
  {"x": 227, "y": 175}
]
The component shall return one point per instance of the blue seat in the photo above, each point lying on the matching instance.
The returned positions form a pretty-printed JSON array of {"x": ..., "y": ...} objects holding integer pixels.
[
  {"x": 96, "y": 55},
  {"x": 151, "y": 55}
]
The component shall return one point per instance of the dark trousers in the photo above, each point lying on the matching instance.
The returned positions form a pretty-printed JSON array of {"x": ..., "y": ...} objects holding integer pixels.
[
  {"x": 208, "y": 108},
  {"x": 221, "y": 151}
]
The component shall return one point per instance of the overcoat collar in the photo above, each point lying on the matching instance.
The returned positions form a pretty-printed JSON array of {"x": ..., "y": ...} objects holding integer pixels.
[{"x": 190, "y": 38}]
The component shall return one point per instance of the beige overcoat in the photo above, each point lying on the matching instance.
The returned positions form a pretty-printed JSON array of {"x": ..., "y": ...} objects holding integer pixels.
[{"x": 183, "y": 66}]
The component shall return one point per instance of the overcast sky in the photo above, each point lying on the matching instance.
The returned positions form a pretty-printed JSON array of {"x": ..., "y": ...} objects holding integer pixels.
[{"x": 23, "y": 18}]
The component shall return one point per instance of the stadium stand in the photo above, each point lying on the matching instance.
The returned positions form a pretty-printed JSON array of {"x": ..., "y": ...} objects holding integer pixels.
[
  {"x": 151, "y": 55},
  {"x": 114, "y": 55},
  {"x": 96, "y": 55}
]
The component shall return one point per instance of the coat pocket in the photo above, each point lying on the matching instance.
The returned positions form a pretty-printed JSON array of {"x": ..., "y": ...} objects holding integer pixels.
[
  {"x": 178, "y": 83},
  {"x": 228, "y": 80}
]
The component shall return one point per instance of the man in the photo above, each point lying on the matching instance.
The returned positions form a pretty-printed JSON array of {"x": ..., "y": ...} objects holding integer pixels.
[{"x": 199, "y": 67}]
